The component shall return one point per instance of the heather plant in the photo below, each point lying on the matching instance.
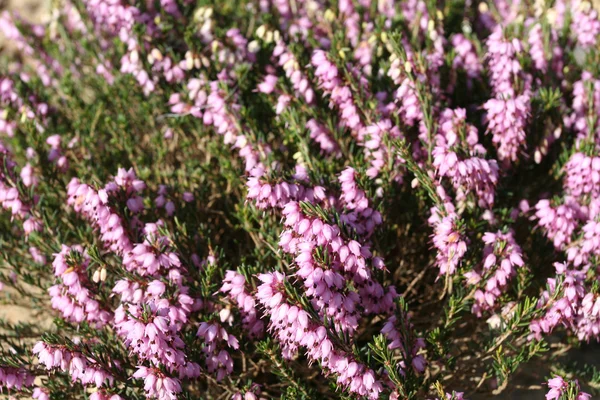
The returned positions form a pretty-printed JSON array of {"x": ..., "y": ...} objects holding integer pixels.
[{"x": 300, "y": 199}]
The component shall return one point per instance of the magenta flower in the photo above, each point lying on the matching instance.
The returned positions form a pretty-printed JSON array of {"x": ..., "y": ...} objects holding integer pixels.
[
  {"x": 507, "y": 120},
  {"x": 15, "y": 378},
  {"x": 558, "y": 386},
  {"x": 501, "y": 258},
  {"x": 560, "y": 221},
  {"x": 293, "y": 328},
  {"x": 447, "y": 239},
  {"x": 157, "y": 385},
  {"x": 234, "y": 285}
]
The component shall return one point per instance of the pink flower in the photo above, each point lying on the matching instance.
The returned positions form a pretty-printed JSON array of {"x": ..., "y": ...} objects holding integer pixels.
[
  {"x": 157, "y": 385},
  {"x": 507, "y": 120},
  {"x": 558, "y": 386},
  {"x": 449, "y": 242},
  {"x": 502, "y": 256},
  {"x": 268, "y": 84}
]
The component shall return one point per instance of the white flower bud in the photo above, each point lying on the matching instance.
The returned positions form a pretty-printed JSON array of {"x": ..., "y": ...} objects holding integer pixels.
[
  {"x": 269, "y": 37},
  {"x": 134, "y": 57},
  {"x": 260, "y": 31},
  {"x": 224, "y": 314},
  {"x": 96, "y": 276},
  {"x": 253, "y": 46}
]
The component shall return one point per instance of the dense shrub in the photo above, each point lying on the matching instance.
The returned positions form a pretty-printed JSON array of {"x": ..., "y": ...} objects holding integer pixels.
[{"x": 299, "y": 199}]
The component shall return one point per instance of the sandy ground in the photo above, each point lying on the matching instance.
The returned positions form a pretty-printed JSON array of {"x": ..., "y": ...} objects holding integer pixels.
[
  {"x": 31, "y": 10},
  {"x": 34, "y": 11}
]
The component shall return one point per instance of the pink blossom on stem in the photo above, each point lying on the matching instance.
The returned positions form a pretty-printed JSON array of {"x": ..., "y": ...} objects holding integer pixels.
[
  {"x": 266, "y": 194},
  {"x": 340, "y": 95},
  {"x": 586, "y": 103},
  {"x": 466, "y": 57},
  {"x": 287, "y": 60},
  {"x": 11, "y": 199},
  {"x": 294, "y": 328},
  {"x": 536, "y": 47},
  {"x": 584, "y": 23},
  {"x": 323, "y": 138},
  {"x": 447, "y": 239},
  {"x": 582, "y": 250},
  {"x": 351, "y": 20},
  {"x": 348, "y": 258},
  {"x": 157, "y": 385},
  {"x": 558, "y": 387},
  {"x": 559, "y": 222},
  {"x": 469, "y": 173},
  {"x": 398, "y": 330},
  {"x": 72, "y": 295},
  {"x": 502, "y": 62},
  {"x": 572, "y": 306},
  {"x": 359, "y": 215},
  {"x": 76, "y": 365},
  {"x": 377, "y": 152},
  {"x": 12, "y": 378},
  {"x": 501, "y": 258},
  {"x": 94, "y": 206},
  {"x": 234, "y": 285},
  {"x": 582, "y": 176},
  {"x": 507, "y": 119},
  {"x": 222, "y": 117},
  {"x": 55, "y": 155},
  {"x": 154, "y": 335},
  {"x": 216, "y": 341}
]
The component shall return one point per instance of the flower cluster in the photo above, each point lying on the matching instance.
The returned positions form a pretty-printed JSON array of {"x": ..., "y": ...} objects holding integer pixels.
[
  {"x": 14, "y": 378},
  {"x": 568, "y": 302},
  {"x": 288, "y": 62},
  {"x": 94, "y": 206},
  {"x": 11, "y": 198},
  {"x": 398, "y": 331},
  {"x": 559, "y": 221},
  {"x": 447, "y": 239},
  {"x": 157, "y": 384},
  {"x": 71, "y": 297},
  {"x": 324, "y": 260},
  {"x": 359, "y": 215},
  {"x": 323, "y": 137},
  {"x": 582, "y": 176},
  {"x": 277, "y": 195},
  {"x": 586, "y": 102},
  {"x": 340, "y": 95},
  {"x": 559, "y": 387},
  {"x": 467, "y": 173},
  {"x": 294, "y": 327},
  {"x": 466, "y": 58},
  {"x": 218, "y": 359},
  {"x": 502, "y": 62},
  {"x": 234, "y": 285},
  {"x": 501, "y": 257},
  {"x": 585, "y": 23},
  {"x": 508, "y": 111},
  {"x": 80, "y": 368},
  {"x": 507, "y": 119}
]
